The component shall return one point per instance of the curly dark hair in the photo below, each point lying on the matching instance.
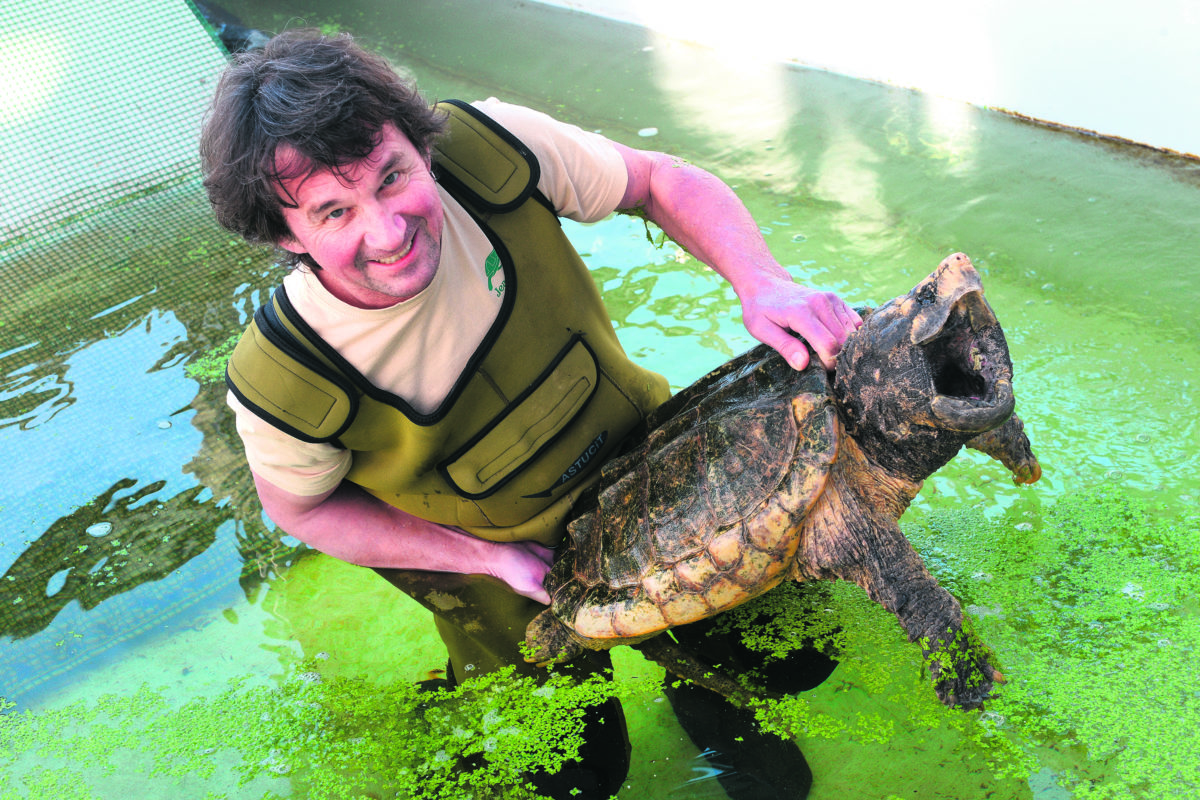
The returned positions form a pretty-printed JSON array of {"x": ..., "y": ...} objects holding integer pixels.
[{"x": 325, "y": 97}]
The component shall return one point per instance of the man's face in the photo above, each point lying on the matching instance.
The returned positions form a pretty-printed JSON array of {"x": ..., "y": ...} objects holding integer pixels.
[{"x": 375, "y": 230}]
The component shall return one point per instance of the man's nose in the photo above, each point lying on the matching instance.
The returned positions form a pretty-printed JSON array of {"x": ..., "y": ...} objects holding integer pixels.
[{"x": 386, "y": 228}]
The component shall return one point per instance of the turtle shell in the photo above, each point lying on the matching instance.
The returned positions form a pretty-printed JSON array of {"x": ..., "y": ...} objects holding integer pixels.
[{"x": 703, "y": 509}]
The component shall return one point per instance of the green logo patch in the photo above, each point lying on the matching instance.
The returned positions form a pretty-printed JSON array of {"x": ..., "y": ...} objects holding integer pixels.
[{"x": 490, "y": 267}]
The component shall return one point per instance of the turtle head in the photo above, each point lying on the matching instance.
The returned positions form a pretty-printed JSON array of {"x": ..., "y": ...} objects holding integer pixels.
[{"x": 926, "y": 372}]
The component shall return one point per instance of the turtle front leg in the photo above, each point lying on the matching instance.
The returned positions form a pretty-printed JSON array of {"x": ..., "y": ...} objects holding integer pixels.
[{"x": 875, "y": 555}]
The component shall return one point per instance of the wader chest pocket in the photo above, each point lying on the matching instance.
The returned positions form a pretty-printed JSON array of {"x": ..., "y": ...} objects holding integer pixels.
[{"x": 528, "y": 427}]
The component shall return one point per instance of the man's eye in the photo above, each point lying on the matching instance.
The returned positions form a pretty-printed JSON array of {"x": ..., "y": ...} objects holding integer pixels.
[
  {"x": 395, "y": 179},
  {"x": 336, "y": 213}
]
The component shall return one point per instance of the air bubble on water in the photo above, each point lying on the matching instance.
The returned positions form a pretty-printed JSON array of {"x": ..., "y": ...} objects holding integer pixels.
[
  {"x": 1134, "y": 590},
  {"x": 56, "y": 582}
]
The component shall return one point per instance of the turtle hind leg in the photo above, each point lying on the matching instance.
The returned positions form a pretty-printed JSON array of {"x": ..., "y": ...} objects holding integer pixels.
[
  {"x": 748, "y": 764},
  {"x": 683, "y": 663},
  {"x": 800, "y": 670},
  {"x": 547, "y": 641}
]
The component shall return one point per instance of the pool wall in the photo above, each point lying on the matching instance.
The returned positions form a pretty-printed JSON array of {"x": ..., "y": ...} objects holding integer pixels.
[{"x": 1118, "y": 70}]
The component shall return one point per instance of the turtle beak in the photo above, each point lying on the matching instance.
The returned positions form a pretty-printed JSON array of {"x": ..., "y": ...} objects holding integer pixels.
[
  {"x": 937, "y": 296},
  {"x": 965, "y": 347}
]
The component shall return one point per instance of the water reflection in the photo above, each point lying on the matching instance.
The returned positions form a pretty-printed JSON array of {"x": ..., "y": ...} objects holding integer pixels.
[
  {"x": 739, "y": 101},
  {"x": 126, "y": 536},
  {"x": 127, "y": 503}
]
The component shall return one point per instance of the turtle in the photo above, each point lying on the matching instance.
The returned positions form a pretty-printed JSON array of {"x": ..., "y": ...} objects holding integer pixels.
[{"x": 759, "y": 473}]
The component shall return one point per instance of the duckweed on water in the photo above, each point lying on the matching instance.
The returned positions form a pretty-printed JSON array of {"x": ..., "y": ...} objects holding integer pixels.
[
  {"x": 311, "y": 737},
  {"x": 1094, "y": 614},
  {"x": 210, "y": 367},
  {"x": 1092, "y": 607}
]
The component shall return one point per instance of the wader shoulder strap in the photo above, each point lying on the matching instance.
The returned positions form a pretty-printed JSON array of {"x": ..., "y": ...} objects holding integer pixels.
[
  {"x": 279, "y": 376},
  {"x": 481, "y": 163}
]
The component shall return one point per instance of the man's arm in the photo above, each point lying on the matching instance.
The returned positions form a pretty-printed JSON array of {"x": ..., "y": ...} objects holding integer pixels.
[
  {"x": 703, "y": 215},
  {"x": 350, "y": 524}
]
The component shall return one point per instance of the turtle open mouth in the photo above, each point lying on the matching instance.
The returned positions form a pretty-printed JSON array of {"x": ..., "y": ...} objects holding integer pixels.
[
  {"x": 969, "y": 367},
  {"x": 952, "y": 380}
]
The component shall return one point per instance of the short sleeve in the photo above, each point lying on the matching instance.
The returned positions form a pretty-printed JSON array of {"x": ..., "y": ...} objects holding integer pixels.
[
  {"x": 583, "y": 175},
  {"x": 293, "y": 465}
]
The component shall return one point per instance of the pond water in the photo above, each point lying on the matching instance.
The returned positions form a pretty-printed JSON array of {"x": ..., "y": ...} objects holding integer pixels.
[{"x": 133, "y": 551}]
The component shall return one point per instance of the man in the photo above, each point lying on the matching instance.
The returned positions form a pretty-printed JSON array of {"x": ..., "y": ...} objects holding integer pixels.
[{"x": 434, "y": 385}]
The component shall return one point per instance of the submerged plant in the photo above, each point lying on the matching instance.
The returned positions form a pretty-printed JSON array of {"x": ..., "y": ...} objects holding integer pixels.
[{"x": 210, "y": 367}]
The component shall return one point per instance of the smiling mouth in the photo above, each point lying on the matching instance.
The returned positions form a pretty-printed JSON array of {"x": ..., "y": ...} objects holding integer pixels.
[{"x": 392, "y": 259}]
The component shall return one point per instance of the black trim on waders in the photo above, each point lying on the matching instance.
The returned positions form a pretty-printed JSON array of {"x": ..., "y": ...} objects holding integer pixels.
[{"x": 460, "y": 190}]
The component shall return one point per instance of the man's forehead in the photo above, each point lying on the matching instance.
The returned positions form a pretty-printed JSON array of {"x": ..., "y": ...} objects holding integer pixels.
[{"x": 391, "y": 149}]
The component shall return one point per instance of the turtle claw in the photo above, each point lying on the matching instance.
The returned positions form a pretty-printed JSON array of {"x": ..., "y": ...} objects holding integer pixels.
[
  {"x": 963, "y": 676},
  {"x": 1009, "y": 445}
]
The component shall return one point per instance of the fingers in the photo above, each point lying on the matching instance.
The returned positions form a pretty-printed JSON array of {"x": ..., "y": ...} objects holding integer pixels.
[
  {"x": 788, "y": 337},
  {"x": 523, "y": 566},
  {"x": 792, "y": 349},
  {"x": 847, "y": 317},
  {"x": 822, "y": 319},
  {"x": 839, "y": 319},
  {"x": 534, "y": 593}
]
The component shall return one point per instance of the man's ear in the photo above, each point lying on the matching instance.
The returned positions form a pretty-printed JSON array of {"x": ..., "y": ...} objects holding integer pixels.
[{"x": 291, "y": 245}]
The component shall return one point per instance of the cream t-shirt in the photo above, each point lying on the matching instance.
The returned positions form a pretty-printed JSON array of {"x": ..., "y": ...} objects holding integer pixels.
[{"x": 416, "y": 349}]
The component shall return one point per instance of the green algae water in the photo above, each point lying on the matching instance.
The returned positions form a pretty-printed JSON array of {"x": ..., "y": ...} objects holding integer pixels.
[{"x": 161, "y": 639}]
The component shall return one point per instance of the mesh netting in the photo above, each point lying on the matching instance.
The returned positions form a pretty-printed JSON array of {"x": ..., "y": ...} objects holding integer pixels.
[{"x": 100, "y": 104}]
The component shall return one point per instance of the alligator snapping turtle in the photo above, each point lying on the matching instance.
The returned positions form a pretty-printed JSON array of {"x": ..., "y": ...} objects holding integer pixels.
[{"x": 758, "y": 473}]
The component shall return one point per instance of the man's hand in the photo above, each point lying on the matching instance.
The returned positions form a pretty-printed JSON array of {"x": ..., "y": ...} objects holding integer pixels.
[
  {"x": 350, "y": 524},
  {"x": 523, "y": 566},
  {"x": 704, "y": 216},
  {"x": 776, "y": 311}
]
